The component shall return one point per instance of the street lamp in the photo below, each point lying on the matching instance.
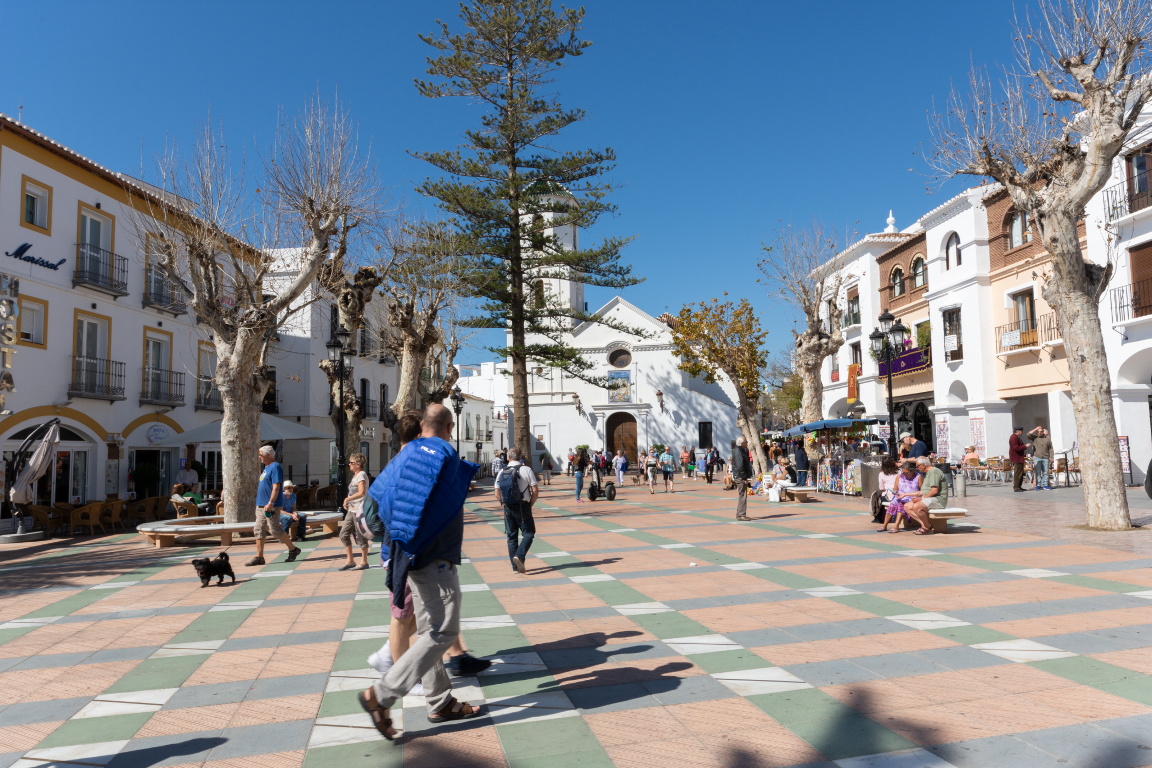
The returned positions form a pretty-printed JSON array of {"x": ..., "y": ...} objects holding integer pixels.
[
  {"x": 337, "y": 351},
  {"x": 479, "y": 447},
  {"x": 457, "y": 408},
  {"x": 887, "y": 344}
]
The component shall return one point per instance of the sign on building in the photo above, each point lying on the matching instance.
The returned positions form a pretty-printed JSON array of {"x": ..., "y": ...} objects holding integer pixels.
[
  {"x": 951, "y": 343},
  {"x": 1011, "y": 339}
]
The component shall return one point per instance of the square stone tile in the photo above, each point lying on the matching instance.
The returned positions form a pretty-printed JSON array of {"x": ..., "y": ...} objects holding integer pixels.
[
  {"x": 687, "y": 646},
  {"x": 838, "y": 672},
  {"x": 1023, "y": 651},
  {"x": 751, "y": 682},
  {"x": 686, "y": 690},
  {"x": 611, "y": 698}
]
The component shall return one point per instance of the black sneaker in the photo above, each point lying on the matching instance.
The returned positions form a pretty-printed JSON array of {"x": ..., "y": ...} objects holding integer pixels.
[
  {"x": 466, "y": 665},
  {"x": 294, "y": 554},
  {"x": 254, "y": 561}
]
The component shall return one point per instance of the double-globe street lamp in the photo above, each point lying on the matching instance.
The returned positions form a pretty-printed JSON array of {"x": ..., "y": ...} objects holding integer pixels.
[
  {"x": 457, "y": 408},
  {"x": 887, "y": 345},
  {"x": 337, "y": 352}
]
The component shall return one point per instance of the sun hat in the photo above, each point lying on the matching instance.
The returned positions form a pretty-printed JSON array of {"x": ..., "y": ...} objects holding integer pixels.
[{"x": 905, "y": 434}]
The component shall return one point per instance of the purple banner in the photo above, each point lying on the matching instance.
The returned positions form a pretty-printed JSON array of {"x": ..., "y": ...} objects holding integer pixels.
[{"x": 912, "y": 361}]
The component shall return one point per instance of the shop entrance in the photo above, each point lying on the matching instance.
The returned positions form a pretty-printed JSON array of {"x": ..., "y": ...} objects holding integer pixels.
[{"x": 162, "y": 460}]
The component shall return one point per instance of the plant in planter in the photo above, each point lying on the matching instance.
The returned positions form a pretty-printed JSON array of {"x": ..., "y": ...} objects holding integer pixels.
[{"x": 145, "y": 477}]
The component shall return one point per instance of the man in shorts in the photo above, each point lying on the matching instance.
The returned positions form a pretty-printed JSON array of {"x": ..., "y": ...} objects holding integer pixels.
[
  {"x": 668, "y": 467},
  {"x": 269, "y": 506},
  {"x": 933, "y": 494}
]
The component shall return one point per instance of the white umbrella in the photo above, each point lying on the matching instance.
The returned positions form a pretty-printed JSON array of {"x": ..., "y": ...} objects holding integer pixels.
[
  {"x": 271, "y": 428},
  {"x": 22, "y": 489}
]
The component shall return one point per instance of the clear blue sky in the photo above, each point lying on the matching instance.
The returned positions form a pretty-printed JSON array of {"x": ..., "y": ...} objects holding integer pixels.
[{"x": 727, "y": 117}]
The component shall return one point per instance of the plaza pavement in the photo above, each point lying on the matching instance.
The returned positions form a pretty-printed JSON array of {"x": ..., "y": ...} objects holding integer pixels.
[{"x": 653, "y": 631}]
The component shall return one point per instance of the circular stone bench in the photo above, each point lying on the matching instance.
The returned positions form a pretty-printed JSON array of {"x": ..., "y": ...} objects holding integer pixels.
[{"x": 164, "y": 532}]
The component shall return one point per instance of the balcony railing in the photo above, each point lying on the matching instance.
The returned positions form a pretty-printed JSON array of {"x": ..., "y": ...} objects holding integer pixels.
[
  {"x": 208, "y": 398},
  {"x": 1129, "y": 196},
  {"x": 162, "y": 293},
  {"x": 849, "y": 319},
  {"x": 97, "y": 379},
  {"x": 100, "y": 269},
  {"x": 1131, "y": 301},
  {"x": 159, "y": 387},
  {"x": 1025, "y": 334},
  {"x": 370, "y": 407}
]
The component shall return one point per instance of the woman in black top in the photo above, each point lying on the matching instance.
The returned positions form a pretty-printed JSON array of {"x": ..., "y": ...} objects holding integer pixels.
[{"x": 581, "y": 465}]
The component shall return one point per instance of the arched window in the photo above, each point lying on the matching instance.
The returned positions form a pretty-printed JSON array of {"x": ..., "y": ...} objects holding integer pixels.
[
  {"x": 952, "y": 251},
  {"x": 1019, "y": 229},
  {"x": 897, "y": 282},
  {"x": 620, "y": 358},
  {"x": 919, "y": 272}
]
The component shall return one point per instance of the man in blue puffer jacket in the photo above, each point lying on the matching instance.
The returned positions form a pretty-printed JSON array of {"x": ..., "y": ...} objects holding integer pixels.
[{"x": 420, "y": 499}]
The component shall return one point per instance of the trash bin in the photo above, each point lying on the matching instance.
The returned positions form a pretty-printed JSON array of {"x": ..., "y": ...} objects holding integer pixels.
[{"x": 869, "y": 478}]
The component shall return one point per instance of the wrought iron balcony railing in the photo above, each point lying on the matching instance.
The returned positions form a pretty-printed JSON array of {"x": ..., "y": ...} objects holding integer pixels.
[
  {"x": 162, "y": 293},
  {"x": 1027, "y": 333},
  {"x": 1131, "y": 301},
  {"x": 160, "y": 387},
  {"x": 370, "y": 407},
  {"x": 100, "y": 269},
  {"x": 1129, "y": 196},
  {"x": 208, "y": 398},
  {"x": 96, "y": 378}
]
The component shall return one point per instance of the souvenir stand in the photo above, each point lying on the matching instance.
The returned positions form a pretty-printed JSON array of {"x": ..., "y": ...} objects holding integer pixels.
[{"x": 838, "y": 468}]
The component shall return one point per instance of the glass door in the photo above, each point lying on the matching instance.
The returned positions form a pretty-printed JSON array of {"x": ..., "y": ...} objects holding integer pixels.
[
  {"x": 87, "y": 353},
  {"x": 79, "y": 493},
  {"x": 1026, "y": 318},
  {"x": 90, "y": 242},
  {"x": 154, "y": 367}
]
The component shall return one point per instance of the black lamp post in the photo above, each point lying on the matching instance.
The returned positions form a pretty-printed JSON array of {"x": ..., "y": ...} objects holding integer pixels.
[
  {"x": 479, "y": 446},
  {"x": 888, "y": 344},
  {"x": 337, "y": 351},
  {"x": 457, "y": 408}
]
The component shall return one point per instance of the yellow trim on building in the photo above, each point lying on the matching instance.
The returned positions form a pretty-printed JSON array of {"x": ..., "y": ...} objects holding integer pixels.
[
  {"x": 82, "y": 206},
  {"x": 42, "y": 302},
  {"x": 24, "y": 181},
  {"x": 28, "y": 414},
  {"x": 150, "y": 418}
]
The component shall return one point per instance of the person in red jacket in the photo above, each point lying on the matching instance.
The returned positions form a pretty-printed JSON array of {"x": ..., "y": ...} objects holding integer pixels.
[{"x": 1016, "y": 454}]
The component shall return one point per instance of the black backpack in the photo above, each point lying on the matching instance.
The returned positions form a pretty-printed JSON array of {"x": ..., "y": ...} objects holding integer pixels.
[{"x": 506, "y": 481}]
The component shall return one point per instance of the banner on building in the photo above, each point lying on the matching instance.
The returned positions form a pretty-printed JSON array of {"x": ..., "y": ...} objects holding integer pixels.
[
  {"x": 976, "y": 427},
  {"x": 1125, "y": 459},
  {"x": 620, "y": 386},
  {"x": 942, "y": 438},
  {"x": 853, "y": 372}
]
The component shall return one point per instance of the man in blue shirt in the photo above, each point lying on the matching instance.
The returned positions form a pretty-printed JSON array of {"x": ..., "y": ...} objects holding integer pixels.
[
  {"x": 912, "y": 448},
  {"x": 269, "y": 504}
]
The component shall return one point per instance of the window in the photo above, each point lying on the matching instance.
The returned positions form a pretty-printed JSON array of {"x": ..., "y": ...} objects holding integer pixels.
[
  {"x": 836, "y": 366},
  {"x": 271, "y": 403},
  {"x": 333, "y": 321},
  {"x": 1139, "y": 178},
  {"x": 1019, "y": 230},
  {"x": 897, "y": 282},
  {"x": 33, "y": 322},
  {"x": 363, "y": 340},
  {"x": 467, "y": 428},
  {"x": 620, "y": 358},
  {"x": 854, "y": 310},
  {"x": 919, "y": 272},
  {"x": 953, "y": 342},
  {"x": 1024, "y": 307},
  {"x": 857, "y": 357},
  {"x": 952, "y": 251},
  {"x": 364, "y": 449},
  {"x": 383, "y": 400},
  {"x": 36, "y": 206},
  {"x": 704, "y": 438},
  {"x": 206, "y": 393},
  {"x": 157, "y": 363}
]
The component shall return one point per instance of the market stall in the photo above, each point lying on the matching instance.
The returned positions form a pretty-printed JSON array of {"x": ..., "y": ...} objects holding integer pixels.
[{"x": 841, "y": 445}]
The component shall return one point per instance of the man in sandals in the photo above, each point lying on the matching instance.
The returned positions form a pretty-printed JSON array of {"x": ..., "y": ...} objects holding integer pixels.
[{"x": 424, "y": 508}]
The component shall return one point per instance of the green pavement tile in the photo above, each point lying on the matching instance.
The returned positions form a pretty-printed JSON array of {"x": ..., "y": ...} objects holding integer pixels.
[
  {"x": 973, "y": 562},
  {"x": 69, "y": 604},
  {"x": 517, "y": 684},
  {"x": 583, "y": 758},
  {"x": 253, "y": 589},
  {"x": 546, "y": 737},
  {"x": 353, "y": 654},
  {"x": 849, "y": 734},
  {"x": 649, "y": 538},
  {"x": 153, "y": 674},
  {"x": 8, "y": 635},
  {"x": 716, "y": 558},
  {"x": 1138, "y": 688},
  {"x": 615, "y": 593},
  {"x": 467, "y": 571},
  {"x": 786, "y": 579},
  {"x": 876, "y": 544},
  {"x": 671, "y": 624},
  {"x": 727, "y": 661},
  {"x": 370, "y": 613},
  {"x": 1086, "y": 671},
  {"x": 374, "y": 579},
  {"x": 1101, "y": 584},
  {"x": 94, "y": 730},
  {"x": 878, "y": 605},
  {"x": 970, "y": 635},
  {"x": 783, "y": 529},
  {"x": 340, "y": 703},
  {"x": 367, "y": 754},
  {"x": 799, "y": 706},
  {"x": 496, "y": 640},
  {"x": 212, "y": 626},
  {"x": 476, "y": 604}
]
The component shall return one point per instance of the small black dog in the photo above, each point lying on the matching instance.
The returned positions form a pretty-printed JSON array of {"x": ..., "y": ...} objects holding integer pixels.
[{"x": 206, "y": 569}]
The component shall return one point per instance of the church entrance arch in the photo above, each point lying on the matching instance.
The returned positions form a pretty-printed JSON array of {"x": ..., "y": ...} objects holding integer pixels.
[{"x": 621, "y": 433}]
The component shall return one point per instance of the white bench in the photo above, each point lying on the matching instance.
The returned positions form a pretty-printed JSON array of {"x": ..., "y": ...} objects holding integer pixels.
[
  {"x": 798, "y": 493},
  {"x": 163, "y": 533},
  {"x": 940, "y": 517}
]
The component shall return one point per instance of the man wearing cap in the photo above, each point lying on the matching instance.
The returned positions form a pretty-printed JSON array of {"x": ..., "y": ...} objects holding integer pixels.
[
  {"x": 912, "y": 448},
  {"x": 1017, "y": 449}
]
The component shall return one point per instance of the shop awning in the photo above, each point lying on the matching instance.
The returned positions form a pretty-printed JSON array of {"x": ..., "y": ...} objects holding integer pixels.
[
  {"x": 816, "y": 426},
  {"x": 271, "y": 428}
]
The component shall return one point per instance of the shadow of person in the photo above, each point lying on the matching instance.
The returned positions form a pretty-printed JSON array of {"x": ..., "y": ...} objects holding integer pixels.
[
  {"x": 146, "y": 756},
  {"x": 588, "y": 642}
]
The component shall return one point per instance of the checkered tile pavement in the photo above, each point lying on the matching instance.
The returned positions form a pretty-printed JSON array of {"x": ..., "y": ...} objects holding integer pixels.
[{"x": 649, "y": 631}]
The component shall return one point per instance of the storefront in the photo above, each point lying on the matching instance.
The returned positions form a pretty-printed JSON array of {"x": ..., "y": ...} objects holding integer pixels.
[{"x": 69, "y": 481}]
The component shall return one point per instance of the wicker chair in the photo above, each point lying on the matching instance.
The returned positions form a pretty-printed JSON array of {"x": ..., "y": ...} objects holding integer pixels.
[
  {"x": 185, "y": 509},
  {"x": 111, "y": 514},
  {"x": 87, "y": 516},
  {"x": 45, "y": 518}
]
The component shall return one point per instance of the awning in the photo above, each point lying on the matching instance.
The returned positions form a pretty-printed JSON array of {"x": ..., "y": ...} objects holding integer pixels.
[
  {"x": 816, "y": 426},
  {"x": 271, "y": 428}
]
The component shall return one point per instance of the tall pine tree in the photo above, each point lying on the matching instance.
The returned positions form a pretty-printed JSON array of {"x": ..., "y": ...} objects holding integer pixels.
[{"x": 510, "y": 192}]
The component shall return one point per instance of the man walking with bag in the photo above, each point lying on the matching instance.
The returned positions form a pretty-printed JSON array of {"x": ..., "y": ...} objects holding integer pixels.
[
  {"x": 420, "y": 498},
  {"x": 1018, "y": 455},
  {"x": 741, "y": 475},
  {"x": 516, "y": 491}
]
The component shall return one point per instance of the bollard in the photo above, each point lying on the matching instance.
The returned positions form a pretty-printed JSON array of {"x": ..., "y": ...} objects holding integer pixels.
[{"x": 960, "y": 482}]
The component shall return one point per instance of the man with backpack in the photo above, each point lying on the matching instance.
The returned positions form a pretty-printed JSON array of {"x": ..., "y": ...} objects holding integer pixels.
[{"x": 516, "y": 491}]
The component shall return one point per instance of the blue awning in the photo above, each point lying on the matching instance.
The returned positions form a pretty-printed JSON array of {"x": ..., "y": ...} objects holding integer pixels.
[{"x": 830, "y": 424}]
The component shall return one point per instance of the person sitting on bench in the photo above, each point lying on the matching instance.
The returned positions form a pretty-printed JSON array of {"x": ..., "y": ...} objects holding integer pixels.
[{"x": 933, "y": 494}]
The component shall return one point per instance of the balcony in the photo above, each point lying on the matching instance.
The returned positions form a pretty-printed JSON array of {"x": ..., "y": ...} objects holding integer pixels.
[
  {"x": 97, "y": 379},
  {"x": 914, "y": 360},
  {"x": 101, "y": 270},
  {"x": 1026, "y": 334},
  {"x": 159, "y": 387},
  {"x": 1131, "y": 301},
  {"x": 849, "y": 319},
  {"x": 1129, "y": 196},
  {"x": 162, "y": 293},
  {"x": 386, "y": 359},
  {"x": 208, "y": 398},
  {"x": 370, "y": 407}
]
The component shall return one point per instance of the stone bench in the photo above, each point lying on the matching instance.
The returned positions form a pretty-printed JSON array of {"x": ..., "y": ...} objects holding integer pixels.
[
  {"x": 940, "y": 517},
  {"x": 163, "y": 533},
  {"x": 798, "y": 493}
]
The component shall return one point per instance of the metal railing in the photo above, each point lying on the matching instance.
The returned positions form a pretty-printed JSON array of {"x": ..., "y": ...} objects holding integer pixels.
[
  {"x": 370, "y": 407},
  {"x": 1025, "y": 334},
  {"x": 208, "y": 397},
  {"x": 96, "y": 378},
  {"x": 161, "y": 292},
  {"x": 1131, "y": 301},
  {"x": 849, "y": 319},
  {"x": 101, "y": 269},
  {"x": 162, "y": 387},
  {"x": 1129, "y": 196}
]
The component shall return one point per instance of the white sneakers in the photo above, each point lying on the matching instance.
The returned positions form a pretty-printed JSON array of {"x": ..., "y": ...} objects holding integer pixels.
[{"x": 381, "y": 661}]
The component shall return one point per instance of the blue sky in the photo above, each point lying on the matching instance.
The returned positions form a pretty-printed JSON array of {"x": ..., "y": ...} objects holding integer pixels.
[{"x": 727, "y": 118}]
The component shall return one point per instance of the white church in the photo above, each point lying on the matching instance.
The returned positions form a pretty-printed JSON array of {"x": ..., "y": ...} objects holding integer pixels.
[{"x": 653, "y": 400}]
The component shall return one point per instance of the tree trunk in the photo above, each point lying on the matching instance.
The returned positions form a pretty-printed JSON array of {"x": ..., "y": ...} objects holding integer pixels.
[
  {"x": 353, "y": 408},
  {"x": 809, "y": 362},
  {"x": 746, "y": 421},
  {"x": 242, "y": 393},
  {"x": 1072, "y": 293}
]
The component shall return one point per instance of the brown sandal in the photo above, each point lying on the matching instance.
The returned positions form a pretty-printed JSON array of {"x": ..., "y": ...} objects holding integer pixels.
[
  {"x": 455, "y": 710},
  {"x": 380, "y": 717}
]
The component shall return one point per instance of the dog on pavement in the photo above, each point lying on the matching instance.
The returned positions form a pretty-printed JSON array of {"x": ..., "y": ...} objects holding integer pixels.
[{"x": 219, "y": 566}]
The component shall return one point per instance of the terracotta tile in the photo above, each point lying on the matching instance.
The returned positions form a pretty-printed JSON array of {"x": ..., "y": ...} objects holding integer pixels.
[
  {"x": 471, "y": 748},
  {"x": 672, "y": 753},
  {"x": 1051, "y": 557},
  {"x": 770, "y": 746},
  {"x": 939, "y": 724},
  {"x": 20, "y": 738},
  {"x": 1136, "y": 659},
  {"x": 279, "y": 710},
  {"x": 274, "y": 760},
  {"x": 878, "y": 696},
  {"x": 1087, "y": 704},
  {"x": 719, "y": 716},
  {"x": 1016, "y": 678},
  {"x": 636, "y": 726},
  {"x": 169, "y": 722},
  {"x": 949, "y": 687}
]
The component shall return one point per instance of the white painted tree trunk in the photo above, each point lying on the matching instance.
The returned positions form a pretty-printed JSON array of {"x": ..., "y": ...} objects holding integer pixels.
[{"x": 242, "y": 393}]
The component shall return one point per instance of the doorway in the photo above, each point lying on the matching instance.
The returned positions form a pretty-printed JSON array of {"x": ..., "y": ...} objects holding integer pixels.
[
  {"x": 922, "y": 425},
  {"x": 162, "y": 460},
  {"x": 621, "y": 430}
]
